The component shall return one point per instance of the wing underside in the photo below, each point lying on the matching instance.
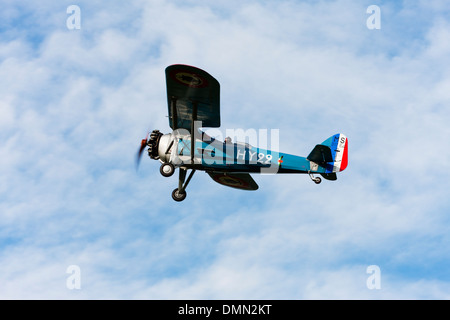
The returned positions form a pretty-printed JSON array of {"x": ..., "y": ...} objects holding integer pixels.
[{"x": 241, "y": 181}]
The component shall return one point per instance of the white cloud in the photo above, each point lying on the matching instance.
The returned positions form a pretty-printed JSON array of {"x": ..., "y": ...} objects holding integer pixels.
[{"x": 75, "y": 104}]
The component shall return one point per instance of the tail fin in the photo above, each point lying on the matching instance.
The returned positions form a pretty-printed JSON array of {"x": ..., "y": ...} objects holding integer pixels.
[{"x": 332, "y": 154}]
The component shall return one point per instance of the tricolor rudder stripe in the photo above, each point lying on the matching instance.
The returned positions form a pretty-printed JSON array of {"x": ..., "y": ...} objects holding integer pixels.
[{"x": 340, "y": 149}]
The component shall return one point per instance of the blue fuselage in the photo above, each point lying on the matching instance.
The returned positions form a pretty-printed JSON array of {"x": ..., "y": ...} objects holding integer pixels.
[{"x": 239, "y": 157}]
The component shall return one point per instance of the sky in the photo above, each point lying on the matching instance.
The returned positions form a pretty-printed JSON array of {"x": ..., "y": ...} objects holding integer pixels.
[{"x": 77, "y": 96}]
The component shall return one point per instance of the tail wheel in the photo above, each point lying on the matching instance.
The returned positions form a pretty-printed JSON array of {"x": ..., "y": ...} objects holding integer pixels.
[
  {"x": 177, "y": 196},
  {"x": 316, "y": 180}
]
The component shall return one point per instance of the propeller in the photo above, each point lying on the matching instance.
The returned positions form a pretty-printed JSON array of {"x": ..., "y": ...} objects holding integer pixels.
[
  {"x": 141, "y": 149},
  {"x": 152, "y": 142}
]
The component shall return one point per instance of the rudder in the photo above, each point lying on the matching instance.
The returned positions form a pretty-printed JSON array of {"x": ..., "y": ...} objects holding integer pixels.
[{"x": 339, "y": 151}]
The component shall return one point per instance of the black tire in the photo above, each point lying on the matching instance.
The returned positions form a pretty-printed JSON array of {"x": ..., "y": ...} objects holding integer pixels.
[
  {"x": 177, "y": 196},
  {"x": 317, "y": 180},
  {"x": 168, "y": 173}
]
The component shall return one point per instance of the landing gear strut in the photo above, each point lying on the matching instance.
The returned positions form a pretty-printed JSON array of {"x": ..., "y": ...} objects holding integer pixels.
[
  {"x": 179, "y": 194},
  {"x": 316, "y": 180}
]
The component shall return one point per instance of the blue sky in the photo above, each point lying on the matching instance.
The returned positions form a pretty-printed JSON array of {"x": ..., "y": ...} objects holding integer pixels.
[{"x": 74, "y": 105}]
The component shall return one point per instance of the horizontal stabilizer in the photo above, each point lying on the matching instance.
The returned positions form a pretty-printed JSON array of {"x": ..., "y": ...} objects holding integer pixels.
[
  {"x": 320, "y": 154},
  {"x": 329, "y": 176},
  {"x": 234, "y": 180}
]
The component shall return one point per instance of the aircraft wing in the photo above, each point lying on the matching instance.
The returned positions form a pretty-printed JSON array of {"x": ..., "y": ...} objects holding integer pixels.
[
  {"x": 192, "y": 95},
  {"x": 234, "y": 180}
]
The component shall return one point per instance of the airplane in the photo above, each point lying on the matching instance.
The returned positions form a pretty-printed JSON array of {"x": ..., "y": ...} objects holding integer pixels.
[{"x": 193, "y": 98}]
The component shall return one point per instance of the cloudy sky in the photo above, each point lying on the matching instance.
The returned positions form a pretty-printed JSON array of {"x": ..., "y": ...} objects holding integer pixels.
[{"x": 75, "y": 103}]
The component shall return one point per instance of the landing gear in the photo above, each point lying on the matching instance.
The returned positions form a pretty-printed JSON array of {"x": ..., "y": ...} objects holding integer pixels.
[
  {"x": 167, "y": 169},
  {"x": 179, "y": 194},
  {"x": 316, "y": 180}
]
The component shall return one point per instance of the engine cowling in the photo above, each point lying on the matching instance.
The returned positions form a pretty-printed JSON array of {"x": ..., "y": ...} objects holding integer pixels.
[
  {"x": 159, "y": 146},
  {"x": 153, "y": 143}
]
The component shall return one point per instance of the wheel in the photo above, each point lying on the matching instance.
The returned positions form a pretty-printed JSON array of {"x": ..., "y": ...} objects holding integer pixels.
[
  {"x": 178, "y": 196},
  {"x": 167, "y": 169},
  {"x": 317, "y": 180}
]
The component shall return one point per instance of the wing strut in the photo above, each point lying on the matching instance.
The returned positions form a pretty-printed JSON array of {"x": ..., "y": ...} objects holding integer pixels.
[
  {"x": 194, "y": 118},
  {"x": 173, "y": 105}
]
